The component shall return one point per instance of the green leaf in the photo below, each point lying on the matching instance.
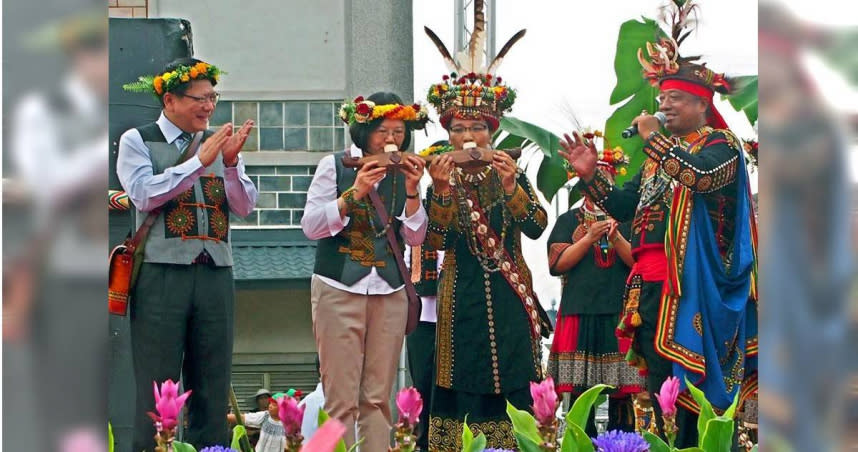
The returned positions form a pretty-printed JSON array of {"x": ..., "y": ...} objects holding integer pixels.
[
  {"x": 469, "y": 443},
  {"x": 321, "y": 419},
  {"x": 523, "y": 423},
  {"x": 631, "y": 84},
  {"x": 109, "y": 437},
  {"x": 620, "y": 120},
  {"x": 706, "y": 412},
  {"x": 576, "y": 440},
  {"x": 633, "y": 36},
  {"x": 551, "y": 176},
  {"x": 237, "y": 433},
  {"x": 509, "y": 140},
  {"x": 552, "y": 173},
  {"x": 467, "y": 434},
  {"x": 718, "y": 436},
  {"x": 580, "y": 410},
  {"x": 183, "y": 447},
  {"x": 745, "y": 96},
  {"x": 730, "y": 412},
  {"x": 545, "y": 140},
  {"x": 525, "y": 444},
  {"x": 354, "y": 446},
  {"x": 656, "y": 444}
]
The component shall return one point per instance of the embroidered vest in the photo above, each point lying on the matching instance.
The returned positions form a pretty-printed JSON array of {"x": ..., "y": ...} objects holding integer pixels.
[
  {"x": 350, "y": 255},
  {"x": 195, "y": 220}
]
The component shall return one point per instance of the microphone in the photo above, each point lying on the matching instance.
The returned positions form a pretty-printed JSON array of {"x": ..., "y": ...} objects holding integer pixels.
[{"x": 633, "y": 130}]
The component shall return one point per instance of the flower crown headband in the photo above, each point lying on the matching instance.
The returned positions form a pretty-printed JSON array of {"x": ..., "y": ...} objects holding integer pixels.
[
  {"x": 166, "y": 82},
  {"x": 362, "y": 111}
]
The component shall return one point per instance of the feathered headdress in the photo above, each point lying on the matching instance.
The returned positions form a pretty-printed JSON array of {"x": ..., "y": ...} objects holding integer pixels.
[
  {"x": 665, "y": 68},
  {"x": 471, "y": 90}
]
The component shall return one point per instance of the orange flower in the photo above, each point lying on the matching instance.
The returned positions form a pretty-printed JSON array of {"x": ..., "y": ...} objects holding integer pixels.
[
  {"x": 194, "y": 72},
  {"x": 158, "y": 83}
]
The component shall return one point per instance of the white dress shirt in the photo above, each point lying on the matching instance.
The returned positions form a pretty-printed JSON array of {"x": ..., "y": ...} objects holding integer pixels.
[
  {"x": 429, "y": 311},
  {"x": 322, "y": 220},
  {"x": 148, "y": 191}
]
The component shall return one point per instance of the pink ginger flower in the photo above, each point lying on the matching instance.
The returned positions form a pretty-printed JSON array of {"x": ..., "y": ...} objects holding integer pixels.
[
  {"x": 291, "y": 415},
  {"x": 544, "y": 401},
  {"x": 667, "y": 396},
  {"x": 168, "y": 404},
  {"x": 410, "y": 405}
]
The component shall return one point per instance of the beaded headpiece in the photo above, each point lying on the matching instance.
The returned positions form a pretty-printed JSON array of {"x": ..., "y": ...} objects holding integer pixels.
[{"x": 472, "y": 90}]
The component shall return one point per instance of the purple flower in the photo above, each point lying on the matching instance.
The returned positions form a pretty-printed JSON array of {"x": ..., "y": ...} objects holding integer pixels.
[
  {"x": 617, "y": 441},
  {"x": 218, "y": 449}
]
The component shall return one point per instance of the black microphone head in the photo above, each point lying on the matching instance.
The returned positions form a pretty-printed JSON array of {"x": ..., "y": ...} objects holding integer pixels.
[{"x": 629, "y": 132}]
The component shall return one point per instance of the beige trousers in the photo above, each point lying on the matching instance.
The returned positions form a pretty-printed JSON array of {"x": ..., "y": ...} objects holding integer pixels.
[{"x": 359, "y": 339}]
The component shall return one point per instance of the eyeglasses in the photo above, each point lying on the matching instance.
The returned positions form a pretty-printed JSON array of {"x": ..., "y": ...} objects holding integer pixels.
[
  {"x": 213, "y": 98},
  {"x": 674, "y": 98},
  {"x": 475, "y": 129},
  {"x": 386, "y": 132}
]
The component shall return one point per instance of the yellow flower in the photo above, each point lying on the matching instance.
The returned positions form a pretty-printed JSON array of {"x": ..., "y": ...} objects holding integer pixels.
[
  {"x": 498, "y": 90},
  {"x": 185, "y": 78},
  {"x": 623, "y": 171},
  {"x": 598, "y": 133},
  {"x": 382, "y": 110}
]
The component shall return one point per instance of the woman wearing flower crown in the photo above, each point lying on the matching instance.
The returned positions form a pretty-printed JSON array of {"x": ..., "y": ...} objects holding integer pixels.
[
  {"x": 358, "y": 299},
  {"x": 588, "y": 250}
]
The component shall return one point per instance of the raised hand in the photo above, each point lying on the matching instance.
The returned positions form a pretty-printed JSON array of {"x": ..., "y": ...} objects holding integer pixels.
[
  {"x": 582, "y": 156},
  {"x": 234, "y": 143},
  {"x": 213, "y": 144}
]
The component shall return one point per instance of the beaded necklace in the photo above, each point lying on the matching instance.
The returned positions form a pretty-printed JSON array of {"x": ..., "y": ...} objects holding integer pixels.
[
  {"x": 390, "y": 213},
  {"x": 466, "y": 208}
]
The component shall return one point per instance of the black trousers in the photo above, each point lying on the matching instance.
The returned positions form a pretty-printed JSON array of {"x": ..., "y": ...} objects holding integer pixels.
[
  {"x": 182, "y": 325},
  {"x": 421, "y": 363},
  {"x": 659, "y": 367}
]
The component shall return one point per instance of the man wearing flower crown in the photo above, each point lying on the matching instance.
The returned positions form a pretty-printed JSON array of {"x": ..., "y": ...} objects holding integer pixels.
[
  {"x": 358, "y": 294},
  {"x": 183, "y": 302},
  {"x": 690, "y": 302}
]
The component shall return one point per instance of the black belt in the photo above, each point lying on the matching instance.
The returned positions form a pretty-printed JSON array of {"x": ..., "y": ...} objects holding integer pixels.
[{"x": 203, "y": 258}]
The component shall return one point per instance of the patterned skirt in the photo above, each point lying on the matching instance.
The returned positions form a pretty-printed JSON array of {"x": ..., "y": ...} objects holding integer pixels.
[
  {"x": 585, "y": 352},
  {"x": 486, "y": 414}
]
